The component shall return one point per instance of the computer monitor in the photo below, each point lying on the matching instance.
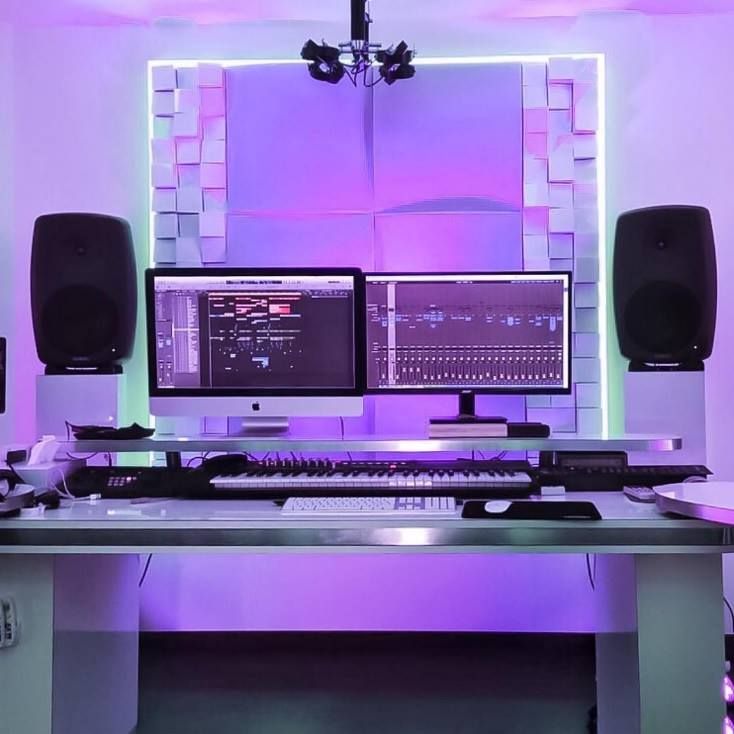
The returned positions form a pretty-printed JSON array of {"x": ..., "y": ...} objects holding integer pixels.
[
  {"x": 469, "y": 333},
  {"x": 255, "y": 343}
]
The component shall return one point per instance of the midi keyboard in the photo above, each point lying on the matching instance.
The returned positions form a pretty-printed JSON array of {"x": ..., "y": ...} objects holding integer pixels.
[
  {"x": 240, "y": 478},
  {"x": 461, "y": 479}
]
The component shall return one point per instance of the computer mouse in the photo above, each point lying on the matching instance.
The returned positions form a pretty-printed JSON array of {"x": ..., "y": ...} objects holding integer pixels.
[{"x": 497, "y": 507}]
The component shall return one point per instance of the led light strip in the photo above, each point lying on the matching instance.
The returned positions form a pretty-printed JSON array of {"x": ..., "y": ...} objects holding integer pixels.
[{"x": 603, "y": 326}]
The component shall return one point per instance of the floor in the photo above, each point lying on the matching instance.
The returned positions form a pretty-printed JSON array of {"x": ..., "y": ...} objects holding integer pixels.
[{"x": 329, "y": 683}]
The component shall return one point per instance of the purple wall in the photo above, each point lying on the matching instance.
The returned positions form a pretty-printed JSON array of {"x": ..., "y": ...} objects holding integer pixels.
[{"x": 372, "y": 592}]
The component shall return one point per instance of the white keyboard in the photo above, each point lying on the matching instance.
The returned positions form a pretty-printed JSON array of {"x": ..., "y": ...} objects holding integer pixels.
[{"x": 361, "y": 506}]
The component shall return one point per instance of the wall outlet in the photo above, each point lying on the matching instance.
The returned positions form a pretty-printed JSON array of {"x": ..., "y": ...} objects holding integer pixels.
[{"x": 8, "y": 623}]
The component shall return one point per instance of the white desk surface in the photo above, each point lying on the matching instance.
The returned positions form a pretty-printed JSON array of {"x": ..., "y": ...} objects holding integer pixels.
[
  {"x": 121, "y": 526},
  {"x": 713, "y": 501}
]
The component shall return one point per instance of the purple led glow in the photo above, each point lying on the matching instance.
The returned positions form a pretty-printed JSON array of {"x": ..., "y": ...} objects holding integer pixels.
[
  {"x": 728, "y": 690},
  {"x": 728, "y": 726},
  {"x": 118, "y": 12}
]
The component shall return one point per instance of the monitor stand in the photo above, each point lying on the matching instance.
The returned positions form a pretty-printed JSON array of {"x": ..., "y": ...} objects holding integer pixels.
[
  {"x": 265, "y": 426},
  {"x": 467, "y": 423},
  {"x": 468, "y": 410}
]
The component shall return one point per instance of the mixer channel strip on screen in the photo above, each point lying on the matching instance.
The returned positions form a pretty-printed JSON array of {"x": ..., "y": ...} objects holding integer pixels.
[
  {"x": 426, "y": 366},
  {"x": 460, "y": 478}
]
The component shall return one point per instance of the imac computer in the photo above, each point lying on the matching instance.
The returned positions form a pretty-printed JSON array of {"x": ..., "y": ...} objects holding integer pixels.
[
  {"x": 256, "y": 344},
  {"x": 469, "y": 333}
]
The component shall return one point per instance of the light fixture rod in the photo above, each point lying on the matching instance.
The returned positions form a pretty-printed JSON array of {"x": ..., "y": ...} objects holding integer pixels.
[{"x": 360, "y": 22}]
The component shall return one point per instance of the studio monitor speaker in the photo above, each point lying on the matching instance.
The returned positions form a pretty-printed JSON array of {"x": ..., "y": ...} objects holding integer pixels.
[
  {"x": 665, "y": 286},
  {"x": 83, "y": 292}
]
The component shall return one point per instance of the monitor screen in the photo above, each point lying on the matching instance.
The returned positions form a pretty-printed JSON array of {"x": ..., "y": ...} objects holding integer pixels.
[
  {"x": 488, "y": 332},
  {"x": 253, "y": 332}
]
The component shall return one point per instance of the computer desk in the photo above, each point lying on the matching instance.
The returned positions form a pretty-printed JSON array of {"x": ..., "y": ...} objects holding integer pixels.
[{"x": 73, "y": 574}]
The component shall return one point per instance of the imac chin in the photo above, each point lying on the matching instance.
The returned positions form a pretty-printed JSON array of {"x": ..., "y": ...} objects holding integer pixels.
[{"x": 265, "y": 416}]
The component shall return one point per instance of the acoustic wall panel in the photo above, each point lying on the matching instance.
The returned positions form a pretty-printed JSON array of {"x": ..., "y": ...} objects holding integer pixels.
[
  {"x": 301, "y": 240},
  {"x": 296, "y": 146},
  {"x": 453, "y": 133},
  {"x": 569, "y": 168},
  {"x": 448, "y": 241},
  {"x": 187, "y": 102},
  {"x": 163, "y": 78}
]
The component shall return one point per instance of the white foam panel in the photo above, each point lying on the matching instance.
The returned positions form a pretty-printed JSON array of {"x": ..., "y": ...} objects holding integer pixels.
[
  {"x": 163, "y": 78},
  {"x": 188, "y": 164},
  {"x": 567, "y": 125}
]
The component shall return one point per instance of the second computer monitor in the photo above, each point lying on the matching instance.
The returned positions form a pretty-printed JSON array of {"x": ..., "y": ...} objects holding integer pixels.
[{"x": 478, "y": 332}]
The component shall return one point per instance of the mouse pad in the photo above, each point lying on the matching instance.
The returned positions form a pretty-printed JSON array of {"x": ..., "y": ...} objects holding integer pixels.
[{"x": 525, "y": 510}]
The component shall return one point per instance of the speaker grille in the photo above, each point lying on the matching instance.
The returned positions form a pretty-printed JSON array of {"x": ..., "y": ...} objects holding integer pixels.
[
  {"x": 80, "y": 321},
  {"x": 663, "y": 318}
]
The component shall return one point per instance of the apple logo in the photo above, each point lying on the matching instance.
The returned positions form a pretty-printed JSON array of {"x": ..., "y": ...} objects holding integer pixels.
[{"x": 256, "y": 407}]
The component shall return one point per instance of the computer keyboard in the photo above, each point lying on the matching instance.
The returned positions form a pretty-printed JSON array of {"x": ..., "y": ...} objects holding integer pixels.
[
  {"x": 365, "y": 506},
  {"x": 462, "y": 479}
]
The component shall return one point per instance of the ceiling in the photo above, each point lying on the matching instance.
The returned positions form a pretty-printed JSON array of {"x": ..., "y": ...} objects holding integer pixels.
[{"x": 104, "y": 12}]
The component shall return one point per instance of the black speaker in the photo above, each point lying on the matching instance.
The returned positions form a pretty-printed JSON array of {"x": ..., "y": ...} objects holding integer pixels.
[
  {"x": 83, "y": 292},
  {"x": 665, "y": 286}
]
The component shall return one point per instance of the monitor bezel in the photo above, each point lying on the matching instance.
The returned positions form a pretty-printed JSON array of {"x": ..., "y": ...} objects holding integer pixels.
[
  {"x": 359, "y": 346},
  {"x": 478, "y": 390}
]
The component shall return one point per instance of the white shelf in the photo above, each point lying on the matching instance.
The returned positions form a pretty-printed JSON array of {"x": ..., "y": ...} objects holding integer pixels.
[{"x": 398, "y": 445}]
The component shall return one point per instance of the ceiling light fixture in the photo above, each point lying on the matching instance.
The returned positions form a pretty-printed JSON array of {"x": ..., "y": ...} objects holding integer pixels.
[{"x": 325, "y": 64}]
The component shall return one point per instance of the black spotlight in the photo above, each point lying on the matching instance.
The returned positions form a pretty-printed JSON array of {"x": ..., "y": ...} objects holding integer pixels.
[
  {"x": 395, "y": 63},
  {"x": 325, "y": 65}
]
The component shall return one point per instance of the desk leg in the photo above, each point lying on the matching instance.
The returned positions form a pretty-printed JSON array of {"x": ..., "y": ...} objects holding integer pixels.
[
  {"x": 662, "y": 672},
  {"x": 75, "y": 668}
]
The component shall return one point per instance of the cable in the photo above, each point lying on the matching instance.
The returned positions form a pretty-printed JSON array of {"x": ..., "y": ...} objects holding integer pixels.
[
  {"x": 731, "y": 613},
  {"x": 589, "y": 571},
  {"x": 15, "y": 474},
  {"x": 341, "y": 422},
  {"x": 66, "y": 494},
  {"x": 145, "y": 570}
]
